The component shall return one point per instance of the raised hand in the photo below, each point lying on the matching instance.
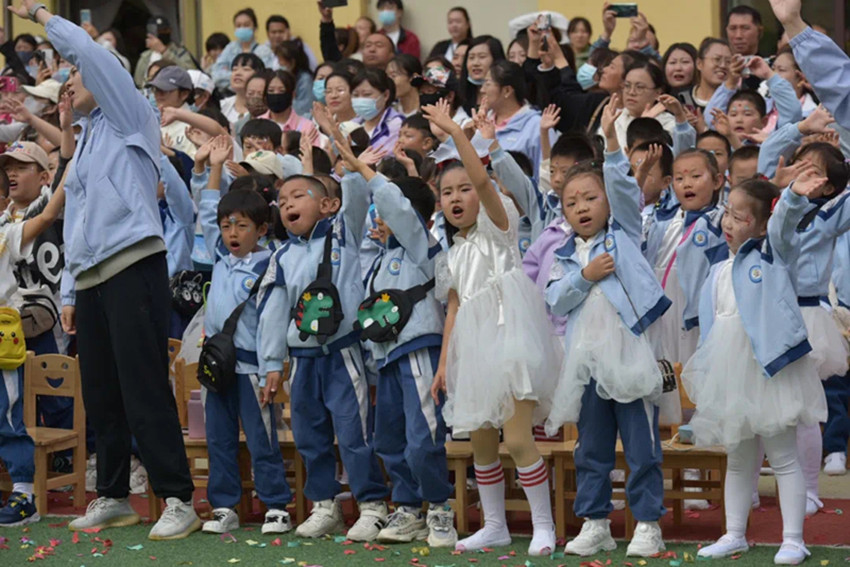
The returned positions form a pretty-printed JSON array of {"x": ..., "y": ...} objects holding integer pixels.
[
  {"x": 220, "y": 150},
  {"x": 788, "y": 12},
  {"x": 642, "y": 172},
  {"x": 66, "y": 115},
  {"x": 203, "y": 153},
  {"x": 326, "y": 13},
  {"x": 600, "y": 267},
  {"x": 323, "y": 117},
  {"x": 550, "y": 118},
  {"x": 809, "y": 183},
  {"x": 19, "y": 111},
  {"x": 786, "y": 174},
  {"x": 483, "y": 123},
  {"x": 736, "y": 69},
  {"x": 167, "y": 141},
  {"x": 652, "y": 110},
  {"x": 23, "y": 9},
  {"x": 609, "y": 116},
  {"x": 168, "y": 115},
  {"x": 236, "y": 169},
  {"x": 439, "y": 114},
  {"x": 609, "y": 21},
  {"x": 816, "y": 122},
  {"x": 760, "y": 68},
  {"x": 371, "y": 156},
  {"x": 638, "y": 33},
  {"x": 674, "y": 106},
  {"x": 756, "y": 137}
]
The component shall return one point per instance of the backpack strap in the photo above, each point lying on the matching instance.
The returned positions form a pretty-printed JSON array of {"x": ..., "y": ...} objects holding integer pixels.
[
  {"x": 230, "y": 325},
  {"x": 325, "y": 270},
  {"x": 419, "y": 292}
]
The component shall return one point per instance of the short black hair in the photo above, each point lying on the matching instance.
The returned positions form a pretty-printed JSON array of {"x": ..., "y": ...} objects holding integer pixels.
[
  {"x": 262, "y": 128},
  {"x": 744, "y": 11},
  {"x": 420, "y": 123},
  {"x": 246, "y": 202},
  {"x": 311, "y": 181},
  {"x": 397, "y": 3},
  {"x": 378, "y": 79},
  {"x": 276, "y": 19},
  {"x": 420, "y": 196},
  {"x": 717, "y": 136},
  {"x": 247, "y": 12},
  {"x": 666, "y": 160},
  {"x": 408, "y": 63},
  {"x": 644, "y": 129},
  {"x": 393, "y": 169},
  {"x": 573, "y": 145},
  {"x": 749, "y": 95},
  {"x": 523, "y": 162},
  {"x": 743, "y": 153},
  {"x": 332, "y": 186},
  {"x": 215, "y": 114},
  {"x": 321, "y": 161},
  {"x": 217, "y": 40},
  {"x": 4, "y": 183},
  {"x": 26, "y": 38},
  {"x": 249, "y": 59}
]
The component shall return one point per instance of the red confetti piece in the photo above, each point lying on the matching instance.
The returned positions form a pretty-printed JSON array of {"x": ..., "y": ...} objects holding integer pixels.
[
  {"x": 380, "y": 559},
  {"x": 55, "y": 542},
  {"x": 276, "y": 542},
  {"x": 486, "y": 549},
  {"x": 76, "y": 537},
  {"x": 152, "y": 557},
  {"x": 737, "y": 556},
  {"x": 91, "y": 530},
  {"x": 347, "y": 542},
  {"x": 349, "y": 552},
  {"x": 473, "y": 560},
  {"x": 512, "y": 553}
]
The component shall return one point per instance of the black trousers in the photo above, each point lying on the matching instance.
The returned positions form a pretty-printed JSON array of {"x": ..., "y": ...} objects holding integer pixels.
[{"x": 122, "y": 341}]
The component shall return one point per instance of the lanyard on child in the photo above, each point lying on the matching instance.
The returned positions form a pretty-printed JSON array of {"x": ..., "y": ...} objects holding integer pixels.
[{"x": 673, "y": 258}]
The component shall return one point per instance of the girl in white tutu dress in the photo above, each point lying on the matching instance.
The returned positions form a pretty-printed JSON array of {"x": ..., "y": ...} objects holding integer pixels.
[
  {"x": 498, "y": 364},
  {"x": 751, "y": 377},
  {"x": 611, "y": 381}
]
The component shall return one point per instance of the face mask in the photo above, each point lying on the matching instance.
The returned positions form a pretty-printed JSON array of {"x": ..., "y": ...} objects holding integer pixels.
[
  {"x": 319, "y": 90},
  {"x": 585, "y": 76},
  {"x": 33, "y": 105},
  {"x": 476, "y": 82},
  {"x": 194, "y": 107},
  {"x": 24, "y": 56},
  {"x": 280, "y": 102},
  {"x": 32, "y": 71},
  {"x": 244, "y": 34},
  {"x": 434, "y": 98},
  {"x": 62, "y": 74},
  {"x": 387, "y": 17},
  {"x": 106, "y": 43},
  {"x": 256, "y": 105},
  {"x": 365, "y": 108}
]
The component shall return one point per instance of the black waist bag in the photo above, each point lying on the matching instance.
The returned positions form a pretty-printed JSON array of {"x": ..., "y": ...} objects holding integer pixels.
[
  {"x": 217, "y": 363},
  {"x": 318, "y": 311},
  {"x": 187, "y": 291},
  {"x": 384, "y": 314}
]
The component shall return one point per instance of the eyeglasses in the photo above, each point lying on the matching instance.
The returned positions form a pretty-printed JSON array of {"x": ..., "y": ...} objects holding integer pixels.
[{"x": 636, "y": 88}]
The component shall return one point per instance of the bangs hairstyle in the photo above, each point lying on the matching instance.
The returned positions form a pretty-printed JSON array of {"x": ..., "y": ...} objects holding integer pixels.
[
  {"x": 261, "y": 128},
  {"x": 407, "y": 64},
  {"x": 420, "y": 123},
  {"x": 248, "y": 60},
  {"x": 751, "y": 96},
  {"x": 687, "y": 48},
  {"x": 245, "y": 202},
  {"x": 446, "y": 167},
  {"x": 585, "y": 168},
  {"x": 655, "y": 72},
  {"x": 837, "y": 169},
  {"x": 742, "y": 154},
  {"x": 644, "y": 129},
  {"x": 571, "y": 27},
  {"x": 762, "y": 193},
  {"x": 574, "y": 145},
  {"x": 420, "y": 196},
  {"x": 293, "y": 50},
  {"x": 717, "y": 136},
  {"x": 708, "y": 157},
  {"x": 666, "y": 160},
  {"x": 378, "y": 79},
  {"x": 285, "y": 77}
]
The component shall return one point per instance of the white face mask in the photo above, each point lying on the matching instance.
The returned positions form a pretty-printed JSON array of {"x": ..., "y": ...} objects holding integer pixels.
[
  {"x": 34, "y": 105},
  {"x": 107, "y": 43}
]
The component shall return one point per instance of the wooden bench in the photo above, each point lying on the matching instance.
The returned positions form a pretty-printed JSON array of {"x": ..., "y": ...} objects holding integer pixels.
[{"x": 676, "y": 457}]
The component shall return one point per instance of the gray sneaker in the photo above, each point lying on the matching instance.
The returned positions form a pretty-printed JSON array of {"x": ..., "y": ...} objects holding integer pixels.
[
  {"x": 178, "y": 520},
  {"x": 106, "y": 513},
  {"x": 404, "y": 526},
  {"x": 441, "y": 526}
]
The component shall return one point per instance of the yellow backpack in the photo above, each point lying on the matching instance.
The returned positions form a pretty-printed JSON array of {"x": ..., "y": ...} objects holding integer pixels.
[{"x": 13, "y": 348}]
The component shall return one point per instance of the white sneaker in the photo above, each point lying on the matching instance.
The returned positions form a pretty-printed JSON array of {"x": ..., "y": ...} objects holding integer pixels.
[
  {"x": 542, "y": 542},
  {"x": 595, "y": 536},
  {"x": 373, "y": 518},
  {"x": 325, "y": 518},
  {"x": 106, "y": 513},
  {"x": 91, "y": 473},
  {"x": 277, "y": 522},
  {"x": 178, "y": 520},
  {"x": 646, "y": 541},
  {"x": 813, "y": 504},
  {"x": 485, "y": 537},
  {"x": 138, "y": 476},
  {"x": 791, "y": 553},
  {"x": 835, "y": 464},
  {"x": 756, "y": 500},
  {"x": 224, "y": 520},
  {"x": 724, "y": 547},
  {"x": 441, "y": 526},
  {"x": 403, "y": 526}
]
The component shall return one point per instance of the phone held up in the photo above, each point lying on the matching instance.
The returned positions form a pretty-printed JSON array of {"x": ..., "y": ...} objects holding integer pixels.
[{"x": 624, "y": 10}]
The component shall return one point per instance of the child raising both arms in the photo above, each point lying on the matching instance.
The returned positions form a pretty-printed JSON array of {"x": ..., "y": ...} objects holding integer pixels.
[
  {"x": 498, "y": 363},
  {"x": 751, "y": 377},
  {"x": 610, "y": 381}
]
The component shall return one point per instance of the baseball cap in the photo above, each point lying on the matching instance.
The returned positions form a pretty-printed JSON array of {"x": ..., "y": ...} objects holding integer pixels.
[
  {"x": 171, "y": 78},
  {"x": 265, "y": 163},
  {"x": 436, "y": 76},
  {"x": 201, "y": 80},
  {"x": 27, "y": 152},
  {"x": 48, "y": 89}
]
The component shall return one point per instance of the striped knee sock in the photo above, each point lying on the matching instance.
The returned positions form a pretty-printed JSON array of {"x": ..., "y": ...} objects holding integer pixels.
[
  {"x": 535, "y": 483},
  {"x": 491, "y": 490}
]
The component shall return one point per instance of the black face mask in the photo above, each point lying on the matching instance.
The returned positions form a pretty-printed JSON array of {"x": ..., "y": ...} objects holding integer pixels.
[
  {"x": 426, "y": 99},
  {"x": 279, "y": 102}
]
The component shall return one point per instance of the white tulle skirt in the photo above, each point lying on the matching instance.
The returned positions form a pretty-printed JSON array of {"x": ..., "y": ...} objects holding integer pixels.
[
  {"x": 829, "y": 348},
  {"x": 670, "y": 341},
  {"x": 502, "y": 349},
  {"x": 736, "y": 401},
  {"x": 603, "y": 348}
]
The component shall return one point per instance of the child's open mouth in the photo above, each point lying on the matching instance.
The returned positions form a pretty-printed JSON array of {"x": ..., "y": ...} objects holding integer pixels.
[
  {"x": 234, "y": 245},
  {"x": 690, "y": 194},
  {"x": 457, "y": 212},
  {"x": 584, "y": 221},
  {"x": 293, "y": 217}
]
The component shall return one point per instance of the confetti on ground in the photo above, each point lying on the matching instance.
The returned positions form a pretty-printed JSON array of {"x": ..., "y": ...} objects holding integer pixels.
[
  {"x": 136, "y": 547},
  {"x": 287, "y": 560},
  {"x": 234, "y": 560},
  {"x": 349, "y": 552},
  {"x": 276, "y": 542},
  {"x": 341, "y": 539},
  {"x": 824, "y": 562},
  {"x": 228, "y": 538},
  {"x": 295, "y": 543}
]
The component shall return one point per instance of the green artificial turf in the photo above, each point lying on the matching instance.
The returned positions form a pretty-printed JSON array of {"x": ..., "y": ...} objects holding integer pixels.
[{"x": 247, "y": 546}]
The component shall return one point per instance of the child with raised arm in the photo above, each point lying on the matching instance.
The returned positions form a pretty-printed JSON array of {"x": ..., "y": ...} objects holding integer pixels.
[
  {"x": 752, "y": 378},
  {"x": 498, "y": 363},
  {"x": 410, "y": 431},
  {"x": 233, "y": 226},
  {"x": 610, "y": 382}
]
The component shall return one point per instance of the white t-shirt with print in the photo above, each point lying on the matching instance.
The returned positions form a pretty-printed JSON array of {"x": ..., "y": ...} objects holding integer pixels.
[{"x": 11, "y": 253}]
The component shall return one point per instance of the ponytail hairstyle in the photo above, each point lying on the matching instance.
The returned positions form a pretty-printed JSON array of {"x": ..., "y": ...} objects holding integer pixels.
[
  {"x": 764, "y": 193},
  {"x": 444, "y": 168},
  {"x": 507, "y": 74},
  {"x": 836, "y": 168}
]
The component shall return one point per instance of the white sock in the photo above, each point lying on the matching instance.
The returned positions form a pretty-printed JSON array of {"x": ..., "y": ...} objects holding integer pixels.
[
  {"x": 491, "y": 490},
  {"x": 782, "y": 451},
  {"x": 24, "y": 488},
  {"x": 535, "y": 484},
  {"x": 809, "y": 449}
]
